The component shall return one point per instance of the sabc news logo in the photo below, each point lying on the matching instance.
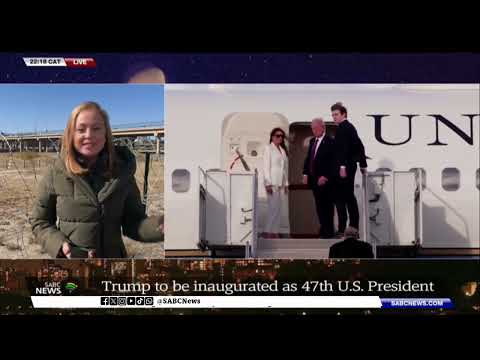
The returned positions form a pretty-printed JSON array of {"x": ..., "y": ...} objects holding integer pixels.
[
  {"x": 126, "y": 300},
  {"x": 55, "y": 288},
  {"x": 70, "y": 287}
]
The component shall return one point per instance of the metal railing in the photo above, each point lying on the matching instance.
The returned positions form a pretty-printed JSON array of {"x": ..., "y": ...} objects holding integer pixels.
[
  {"x": 60, "y": 131},
  {"x": 365, "y": 215},
  {"x": 418, "y": 206}
]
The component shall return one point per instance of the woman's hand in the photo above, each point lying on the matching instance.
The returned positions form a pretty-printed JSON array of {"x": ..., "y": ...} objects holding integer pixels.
[
  {"x": 286, "y": 189},
  {"x": 67, "y": 251},
  {"x": 269, "y": 189}
]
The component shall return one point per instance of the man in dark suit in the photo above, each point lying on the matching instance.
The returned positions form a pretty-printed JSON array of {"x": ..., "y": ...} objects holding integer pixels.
[
  {"x": 351, "y": 247},
  {"x": 318, "y": 173},
  {"x": 349, "y": 150}
]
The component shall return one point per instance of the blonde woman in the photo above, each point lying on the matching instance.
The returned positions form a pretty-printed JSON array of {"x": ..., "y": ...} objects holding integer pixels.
[
  {"x": 89, "y": 196},
  {"x": 275, "y": 174}
]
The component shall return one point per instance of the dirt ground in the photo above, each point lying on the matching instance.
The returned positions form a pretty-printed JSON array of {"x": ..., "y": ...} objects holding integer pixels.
[{"x": 19, "y": 175}]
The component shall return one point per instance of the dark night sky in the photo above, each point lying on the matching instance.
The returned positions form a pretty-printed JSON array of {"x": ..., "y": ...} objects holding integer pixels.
[{"x": 255, "y": 68}]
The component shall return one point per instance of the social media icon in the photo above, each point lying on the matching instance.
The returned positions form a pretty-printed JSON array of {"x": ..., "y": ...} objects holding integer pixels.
[{"x": 140, "y": 300}]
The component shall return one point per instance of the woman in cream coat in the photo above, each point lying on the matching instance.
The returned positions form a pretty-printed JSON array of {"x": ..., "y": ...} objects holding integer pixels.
[{"x": 275, "y": 172}]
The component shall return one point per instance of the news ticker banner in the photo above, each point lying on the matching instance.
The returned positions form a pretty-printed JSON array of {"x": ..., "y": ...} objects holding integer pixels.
[
  {"x": 150, "y": 285},
  {"x": 239, "y": 302},
  {"x": 273, "y": 294},
  {"x": 75, "y": 63}
]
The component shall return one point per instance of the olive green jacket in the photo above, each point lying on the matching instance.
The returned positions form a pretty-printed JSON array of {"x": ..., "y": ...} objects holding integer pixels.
[{"x": 67, "y": 209}]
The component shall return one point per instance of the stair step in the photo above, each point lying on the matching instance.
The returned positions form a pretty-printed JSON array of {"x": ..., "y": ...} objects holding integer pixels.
[
  {"x": 293, "y": 254},
  {"x": 296, "y": 244}
]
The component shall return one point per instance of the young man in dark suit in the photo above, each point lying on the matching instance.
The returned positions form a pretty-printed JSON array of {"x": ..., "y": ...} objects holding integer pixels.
[
  {"x": 318, "y": 173},
  {"x": 351, "y": 247},
  {"x": 349, "y": 150}
]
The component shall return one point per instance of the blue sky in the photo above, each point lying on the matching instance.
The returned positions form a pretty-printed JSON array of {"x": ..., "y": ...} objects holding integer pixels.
[{"x": 32, "y": 107}]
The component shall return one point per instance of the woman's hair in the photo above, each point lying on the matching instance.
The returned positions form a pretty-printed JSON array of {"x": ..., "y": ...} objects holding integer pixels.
[
  {"x": 282, "y": 144},
  {"x": 70, "y": 155}
]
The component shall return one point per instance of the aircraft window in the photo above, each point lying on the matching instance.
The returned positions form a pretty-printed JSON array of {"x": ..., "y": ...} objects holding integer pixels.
[
  {"x": 424, "y": 176},
  {"x": 384, "y": 169},
  {"x": 181, "y": 180},
  {"x": 450, "y": 179},
  {"x": 478, "y": 178}
]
